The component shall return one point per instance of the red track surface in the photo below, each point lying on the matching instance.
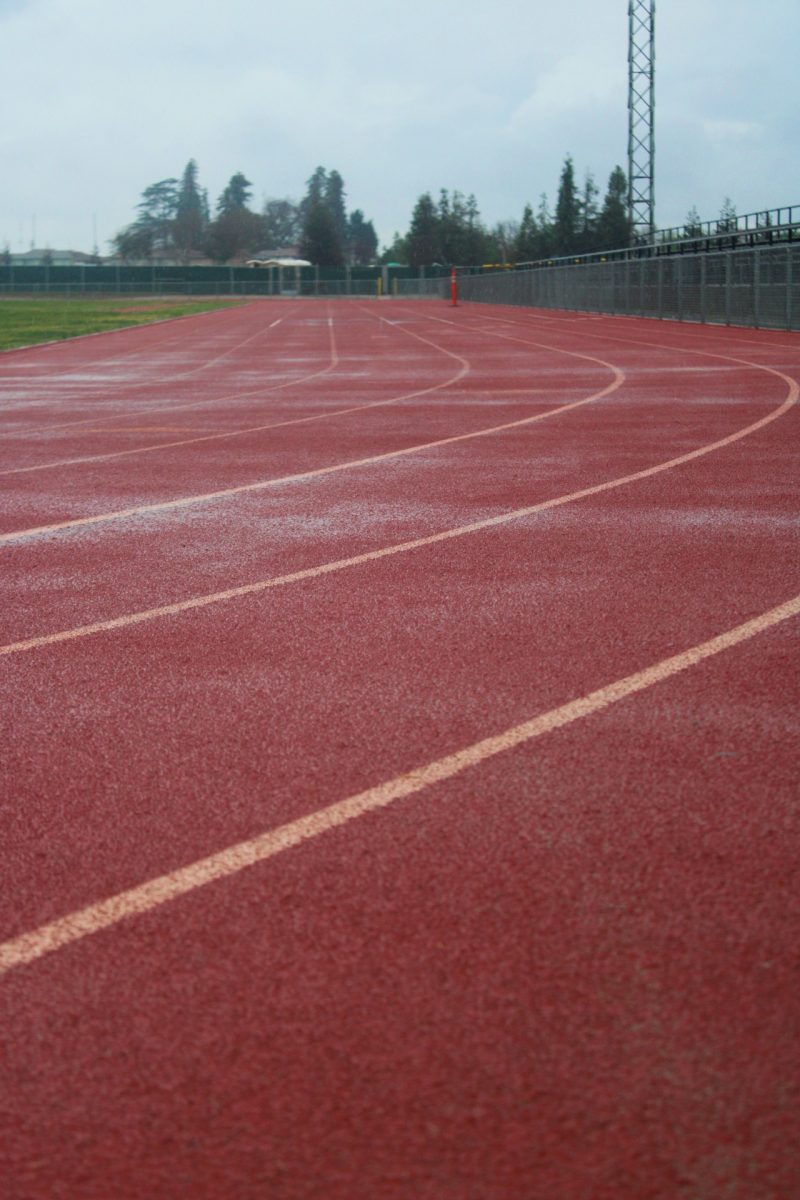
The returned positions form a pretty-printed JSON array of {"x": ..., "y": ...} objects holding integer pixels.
[{"x": 560, "y": 967}]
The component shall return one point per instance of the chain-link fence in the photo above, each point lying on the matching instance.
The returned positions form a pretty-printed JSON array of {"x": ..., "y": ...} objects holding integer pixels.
[
  {"x": 177, "y": 280},
  {"x": 757, "y": 287}
]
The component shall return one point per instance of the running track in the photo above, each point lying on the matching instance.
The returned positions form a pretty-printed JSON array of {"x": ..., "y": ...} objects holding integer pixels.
[{"x": 399, "y": 758}]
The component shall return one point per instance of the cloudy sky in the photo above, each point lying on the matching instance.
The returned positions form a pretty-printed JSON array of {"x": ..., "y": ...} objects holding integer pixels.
[{"x": 102, "y": 97}]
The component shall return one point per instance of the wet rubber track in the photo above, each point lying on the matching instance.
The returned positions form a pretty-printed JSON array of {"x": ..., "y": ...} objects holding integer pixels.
[{"x": 400, "y": 758}]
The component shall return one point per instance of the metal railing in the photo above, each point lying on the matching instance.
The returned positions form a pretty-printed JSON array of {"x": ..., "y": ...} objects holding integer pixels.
[
  {"x": 770, "y": 227},
  {"x": 757, "y": 287}
]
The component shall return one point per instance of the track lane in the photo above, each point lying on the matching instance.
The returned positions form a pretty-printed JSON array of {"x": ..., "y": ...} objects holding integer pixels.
[
  {"x": 147, "y": 698},
  {"x": 293, "y": 444},
  {"x": 75, "y": 926},
  {"x": 27, "y": 367},
  {"x": 549, "y": 963},
  {"x": 337, "y": 531},
  {"x": 284, "y": 355},
  {"x": 554, "y": 1010}
]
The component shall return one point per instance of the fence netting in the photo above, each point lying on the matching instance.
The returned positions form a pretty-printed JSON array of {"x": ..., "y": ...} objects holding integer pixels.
[{"x": 758, "y": 287}]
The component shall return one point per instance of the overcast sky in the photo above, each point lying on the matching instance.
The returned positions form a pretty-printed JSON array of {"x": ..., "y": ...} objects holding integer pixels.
[{"x": 102, "y": 97}]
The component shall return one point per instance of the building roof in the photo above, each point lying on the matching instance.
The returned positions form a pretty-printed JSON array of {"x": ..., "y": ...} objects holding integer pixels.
[{"x": 278, "y": 262}]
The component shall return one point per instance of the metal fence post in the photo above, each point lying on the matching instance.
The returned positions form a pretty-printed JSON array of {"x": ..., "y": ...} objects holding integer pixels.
[
  {"x": 727, "y": 289},
  {"x": 757, "y": 288},
  {"x": 788, "y": 287},
  {"x": 660, "y": 300},
  {"x": 627, "y": 287},
  {"x": 703, "y": 276}
]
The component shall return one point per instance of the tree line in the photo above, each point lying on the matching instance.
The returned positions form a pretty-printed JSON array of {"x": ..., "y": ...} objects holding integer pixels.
[
  {"x": 450, "y": 230},
  {"x": 174, "y": 218}
]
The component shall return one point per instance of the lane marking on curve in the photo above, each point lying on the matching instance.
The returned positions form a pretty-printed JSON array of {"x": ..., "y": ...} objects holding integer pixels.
[
  {"x": 521, "y": 323},
  {"x": 249, "y": 589},
  {"x": 351, "y": 464},
  {"x": 337, "y": 412},
  {"x": 261, "y": 391},
  {"x": 16, "y": 433},
  {"x": 669, "y": 324},
  {"x": 145, "y": 897}
]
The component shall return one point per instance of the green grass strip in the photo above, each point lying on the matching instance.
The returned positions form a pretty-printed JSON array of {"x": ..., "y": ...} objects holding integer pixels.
[{"x": 25, "y": 322}]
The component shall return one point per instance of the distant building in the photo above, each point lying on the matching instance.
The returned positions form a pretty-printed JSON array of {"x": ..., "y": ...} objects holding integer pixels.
[{"x": 54, "y": 258}]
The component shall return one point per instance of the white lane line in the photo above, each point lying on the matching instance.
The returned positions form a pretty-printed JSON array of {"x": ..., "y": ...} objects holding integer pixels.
[
  {"x": 133, "y": 388},
  {"x": 155, "y": 892},
  {"x": 337, "y": 412},
  {"x": 211, "y": 437},
  {"x": 249, "y": 589},
  {"x": 206, "y": 497}
]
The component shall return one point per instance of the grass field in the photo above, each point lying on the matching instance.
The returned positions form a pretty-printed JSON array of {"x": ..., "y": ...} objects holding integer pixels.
[{"x": 24, "y": 322}]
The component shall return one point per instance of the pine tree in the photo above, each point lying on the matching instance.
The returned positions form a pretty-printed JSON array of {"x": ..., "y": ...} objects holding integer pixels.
[
  {"x": 362, "y": 240},
  {"x": 189, "y": 225},
  {"x": 527, "y": 246},
  {"x": 544, "y": 221},
  {"x": 502, "y": 241},
  {"x": 396, "y": 251},
  {"x": 567, "y": 211},
  {"x": 320, "y": 242},
  {"x": 727, "y": 216},
  {"x": 236, "y": 194},
  {"x": 333, "y": 195},
  {"x": 153, "y": 228},
  {"x": 589, "y": 215},
  {"x": 614, "y": 226},
  {"x": 422, "y": 243},
  {"x": 315, "y": 191},
  {"x": 693, "y": 227}
]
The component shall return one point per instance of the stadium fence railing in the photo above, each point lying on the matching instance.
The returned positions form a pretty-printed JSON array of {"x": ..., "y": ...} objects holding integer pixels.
[{"x": 758, "y": 287}]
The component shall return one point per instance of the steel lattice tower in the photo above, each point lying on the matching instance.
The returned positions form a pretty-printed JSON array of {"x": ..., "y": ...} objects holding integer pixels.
[{"x": 641, "y": 113}]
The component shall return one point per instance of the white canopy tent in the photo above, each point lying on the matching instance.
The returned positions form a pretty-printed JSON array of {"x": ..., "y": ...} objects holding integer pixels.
[{"x": 281, "y": 265}]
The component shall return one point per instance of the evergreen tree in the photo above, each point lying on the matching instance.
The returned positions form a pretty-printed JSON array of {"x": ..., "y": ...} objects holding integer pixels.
[
  {"x": 236, "y": 194},
  {"x": 362, "y": 240},
  {"x": 462, "y": 238},
  {"x": 153, "y": 228},
  {"x": 423, "y": 246},
  {"x": 189, "y": 224},
  {"x": 693, "y": 227},
  {"x": 320, "y": 242},
  {"x": 502, "y": 241},
  {"x": 333, "y": 195},
  {"x": 475, "y": 241},
  {"x": 567, "y": 211},
  {"x": 527, "y": 247},
  {"x": 315, "y": 192},
  {"x": 396, "y": 251},
  {"x": 727, "y": 216},
  {"x": 614, "y": 226},
  {"x": 545, "y": 223},
  {"x": 589, "y": 214}
]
